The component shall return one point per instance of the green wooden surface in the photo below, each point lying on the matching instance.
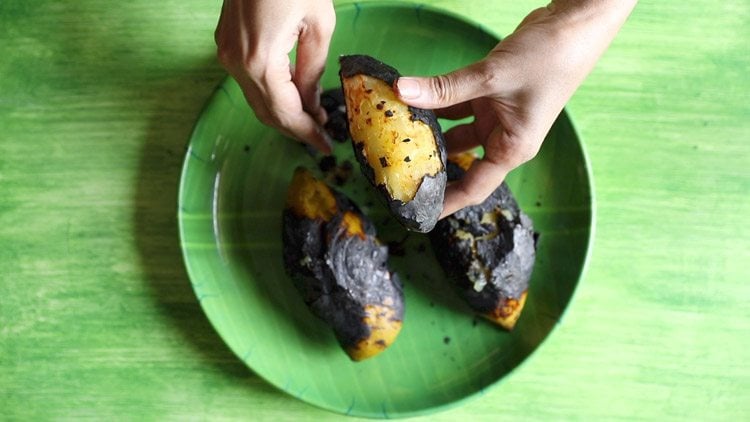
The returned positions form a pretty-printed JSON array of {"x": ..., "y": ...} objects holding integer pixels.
[{"x": 97, "y": 317}]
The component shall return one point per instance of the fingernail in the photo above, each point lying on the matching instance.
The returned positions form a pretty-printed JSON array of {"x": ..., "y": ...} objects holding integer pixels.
[{"x": 408, "y": 88}]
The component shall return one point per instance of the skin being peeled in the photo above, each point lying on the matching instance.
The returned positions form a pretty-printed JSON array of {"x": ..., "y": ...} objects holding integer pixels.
[
  {"x": 400, "y": 148},
  {"x": 487, "y": 251},
  {"x": 339, "y": 267}
]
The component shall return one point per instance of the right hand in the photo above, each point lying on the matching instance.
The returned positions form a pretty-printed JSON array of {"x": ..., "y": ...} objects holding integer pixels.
[
  {"x": 254, "y": 39},
  {"x": 517, "y": 91}
]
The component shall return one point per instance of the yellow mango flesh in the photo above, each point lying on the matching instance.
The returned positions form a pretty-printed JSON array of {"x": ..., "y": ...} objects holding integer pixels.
[
  {"x": 384, "y": 329},
  {"x": 507, "y": 312},
  {"x": 401, "y": 152}
]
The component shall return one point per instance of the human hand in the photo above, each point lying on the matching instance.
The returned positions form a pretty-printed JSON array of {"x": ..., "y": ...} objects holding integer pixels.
[
  {"x": 517, "y": 91},
  {"x": 254, "y": 39}
]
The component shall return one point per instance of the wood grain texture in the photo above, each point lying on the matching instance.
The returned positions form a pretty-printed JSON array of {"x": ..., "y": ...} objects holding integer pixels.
[{"x": 97, "y": 317}]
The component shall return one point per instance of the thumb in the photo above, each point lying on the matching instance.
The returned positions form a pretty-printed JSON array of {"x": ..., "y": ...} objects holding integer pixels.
[{"x": 446, "y": 90}]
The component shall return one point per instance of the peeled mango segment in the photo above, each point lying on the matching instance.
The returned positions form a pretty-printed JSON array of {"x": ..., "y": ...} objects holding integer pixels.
[{"x": 400, "y": 148}]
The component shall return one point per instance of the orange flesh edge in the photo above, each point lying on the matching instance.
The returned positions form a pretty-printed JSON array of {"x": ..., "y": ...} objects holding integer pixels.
[
  {"x": 309, "y": 197},
  {"x": 384, "y": 329},
  {"x": 507, "y": 312}
]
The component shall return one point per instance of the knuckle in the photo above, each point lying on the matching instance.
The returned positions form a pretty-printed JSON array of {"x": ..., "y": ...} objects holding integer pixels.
[
  {"x": 442, "y": 87},
  {"x": 224, "y": 50},
  {"x": 476, "y": 199},
  {"x": 326, "y": 25},
  {"x": 319, "y": 28},
  {"x": 249, "y": 62},
  {"x": 516, "y": 150},
  {"x": 254, "y": 65},
  {"x": 218, "y": 39},
  {"x": 486, "y": 76},
  {"x": 524, "y": 152},
  {"x": 224, "y": 55},
  {"x": 281, "y": 119},
  {"x": 327, "y": 20}
]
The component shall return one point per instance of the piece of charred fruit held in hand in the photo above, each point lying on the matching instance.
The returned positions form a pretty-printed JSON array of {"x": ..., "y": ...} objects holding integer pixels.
[
  {"x": 487, "y": 251},
  {"x": 338, "y": 265},
  {"x": 332, "y": 101},
  {"x": 400, "y": 148}
]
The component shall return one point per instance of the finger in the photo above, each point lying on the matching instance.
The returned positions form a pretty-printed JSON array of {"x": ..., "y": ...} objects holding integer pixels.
[
  {"x": 312, "y": 51},
  {"x": 461, "y": 138},
  {"x": 261, "y": 111},
  {"x": 220, "y": 24},
  {"x": 455, "y": 112},
  {"x": 254, "y": 98},
  {"x": 302, "y": 127},
  {"x": 277, "y": 103},
  {"x": 446, "y": 90},
  {"x": 285, "y": 107},
  {"x": 478, "y": 183}
]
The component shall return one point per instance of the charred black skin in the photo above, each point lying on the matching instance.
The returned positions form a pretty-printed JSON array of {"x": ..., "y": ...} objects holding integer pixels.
[
  {"x": 338, "y": 274},
  {"x": 421, "y": 213},
  {"x": 333, "y": 102},
  {"x": 506, "y": 249}
]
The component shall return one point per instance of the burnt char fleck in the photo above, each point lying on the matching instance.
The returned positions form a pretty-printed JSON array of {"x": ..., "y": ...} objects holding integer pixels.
[
  {"x": 334, "y": 104},
  {"x": 379, "y": 106},
  {"x": 406, "y": 140},
  {"x": 327, "y": 163},
  {"x": 336, "y": 174},
  {"x": 383, "y": 162},
  {"x": 342, "y": 173},
  {"x": 336, "y": 274},
  {"x": 407, "y": 159},
  {"x": 332, "y": 99},
  {"x": 501, "y": 254},
  {"x": 388, "y": 113},
  {"x": 421, "y": 213},
  {"x": 397, "y": 247}
]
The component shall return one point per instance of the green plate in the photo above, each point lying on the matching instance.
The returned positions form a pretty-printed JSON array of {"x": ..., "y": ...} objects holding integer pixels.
[{"x": 233, "y": 186}]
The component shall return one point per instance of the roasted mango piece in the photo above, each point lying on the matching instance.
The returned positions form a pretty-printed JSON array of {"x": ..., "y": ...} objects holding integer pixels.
[
  {"x": 487, "y": 251},
  {"x": 338, "y": 265},
  {"x": 400, "y": 148}
]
